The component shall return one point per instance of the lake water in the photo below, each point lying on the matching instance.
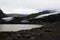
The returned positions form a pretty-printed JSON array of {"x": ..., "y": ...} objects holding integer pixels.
[{"x": 16, "y": 27}]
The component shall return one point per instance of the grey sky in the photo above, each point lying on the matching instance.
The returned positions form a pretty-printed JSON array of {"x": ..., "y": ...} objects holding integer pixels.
[{"x": 28, "y": 6}]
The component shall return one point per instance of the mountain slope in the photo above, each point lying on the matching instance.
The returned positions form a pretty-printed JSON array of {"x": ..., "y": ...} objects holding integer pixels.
[{"x": 33, "y": 15}]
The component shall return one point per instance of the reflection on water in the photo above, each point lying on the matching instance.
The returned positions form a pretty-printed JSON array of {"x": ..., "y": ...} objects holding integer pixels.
[{"x": 16, "y": 27}]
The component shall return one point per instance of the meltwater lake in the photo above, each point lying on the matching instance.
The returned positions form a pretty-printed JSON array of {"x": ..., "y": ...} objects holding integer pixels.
[{"x": 17, "y": 27}]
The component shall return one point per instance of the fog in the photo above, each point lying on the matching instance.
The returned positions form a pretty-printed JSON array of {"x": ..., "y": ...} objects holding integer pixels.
[{"x": 28, "y": 6}]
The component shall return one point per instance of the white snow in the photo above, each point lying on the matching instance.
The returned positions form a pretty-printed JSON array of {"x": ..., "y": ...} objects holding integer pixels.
[{"x": 7, "y": 18}]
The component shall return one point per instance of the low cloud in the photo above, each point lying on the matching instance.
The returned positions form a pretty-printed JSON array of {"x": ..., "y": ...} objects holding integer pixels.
[{"x": 28, "y": 6}]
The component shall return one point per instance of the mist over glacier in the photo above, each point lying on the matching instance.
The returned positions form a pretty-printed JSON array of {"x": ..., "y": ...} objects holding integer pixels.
[{"x": 28, "y": 6}]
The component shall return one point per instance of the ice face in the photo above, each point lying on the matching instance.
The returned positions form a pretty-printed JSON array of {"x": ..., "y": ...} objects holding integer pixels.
[
  {"x": 25, "y": 21},
  {"x": 7, "y": 18}
]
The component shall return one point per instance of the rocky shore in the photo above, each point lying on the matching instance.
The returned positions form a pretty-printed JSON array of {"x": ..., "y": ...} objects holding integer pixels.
[{"x": 47, "y": 32}]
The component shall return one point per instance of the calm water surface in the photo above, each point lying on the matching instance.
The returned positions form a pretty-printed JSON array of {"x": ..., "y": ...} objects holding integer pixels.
[{"x": 16, "y": 27}]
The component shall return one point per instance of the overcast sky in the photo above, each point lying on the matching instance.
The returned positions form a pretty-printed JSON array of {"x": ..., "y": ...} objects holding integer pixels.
[{"x": 28, "y": 6}]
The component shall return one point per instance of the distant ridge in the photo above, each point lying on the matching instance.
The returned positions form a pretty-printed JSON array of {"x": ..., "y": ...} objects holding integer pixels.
[{"x": 17, "y": 15}]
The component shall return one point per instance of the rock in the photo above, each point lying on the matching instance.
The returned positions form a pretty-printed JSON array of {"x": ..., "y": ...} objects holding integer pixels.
[{"x": 47, "y": 32}]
